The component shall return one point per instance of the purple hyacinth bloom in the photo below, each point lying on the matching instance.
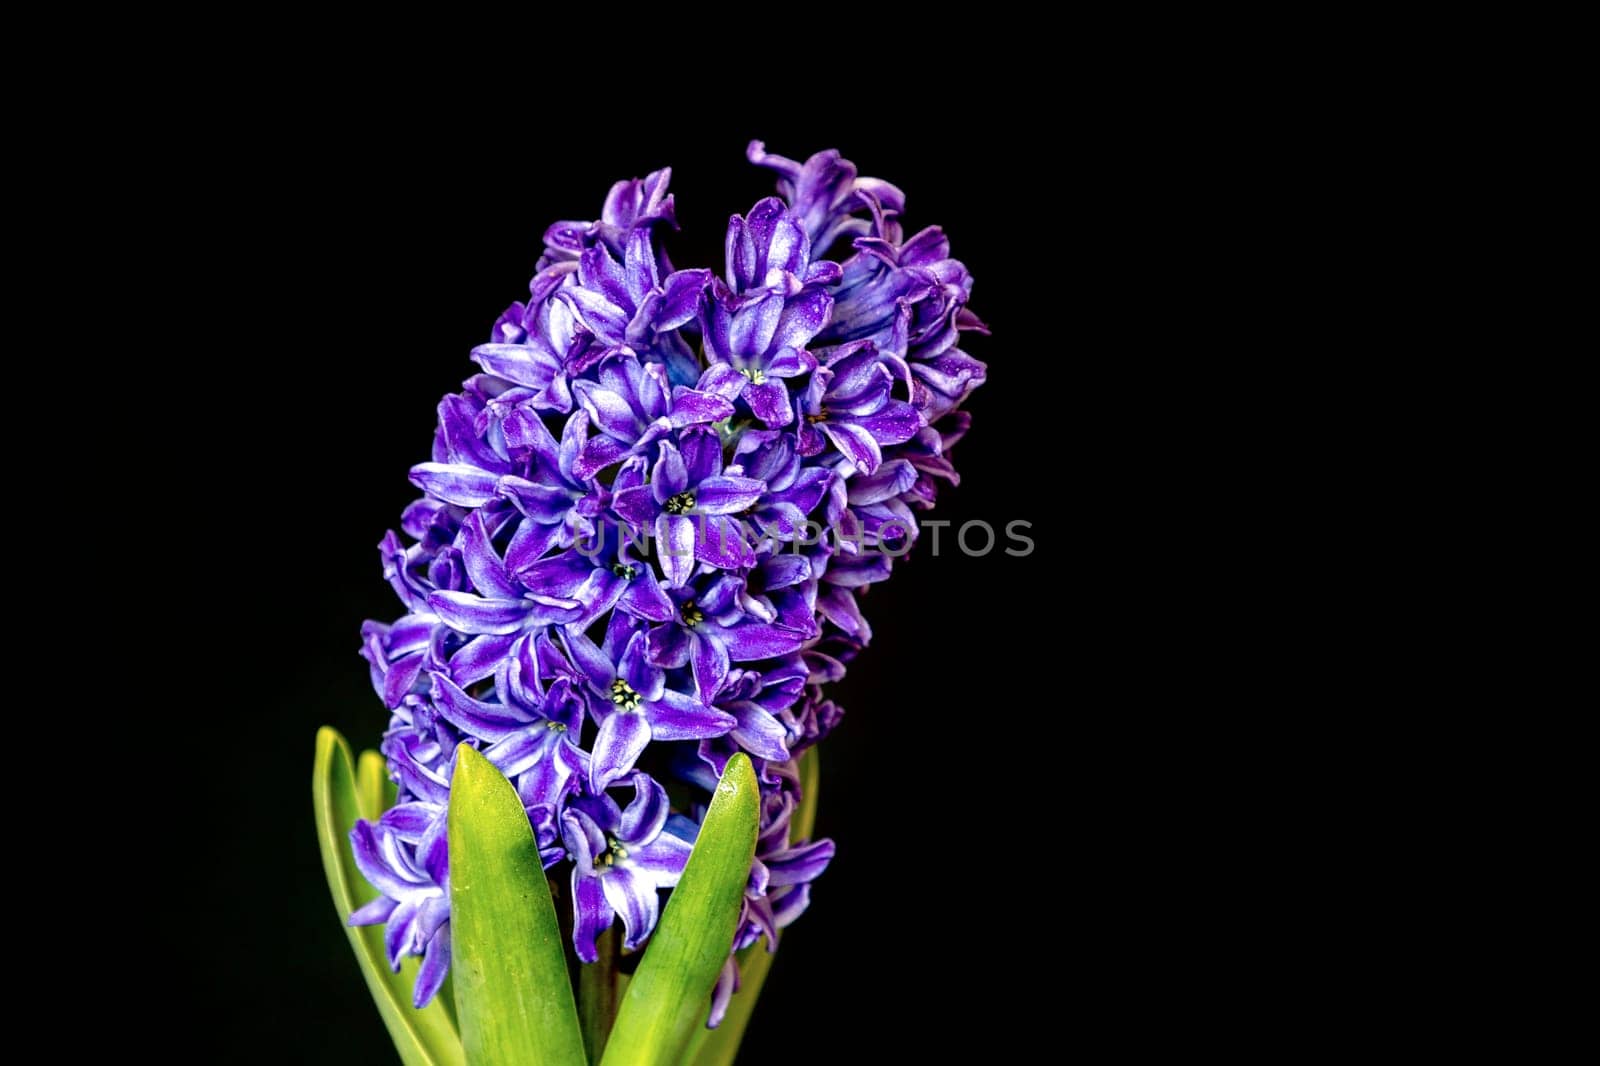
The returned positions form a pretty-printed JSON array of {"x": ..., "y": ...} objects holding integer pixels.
[
  {"x": 638, "y": 202},
  {"x": 871, "y": 510},
  {"x": 539, "y": 346},
  {"x": 630, "y": 307},
  {"x": 687, "y": 504},
  {"x": 650, "y": 453},
  {"x": 757, "y": 345},
  {"x": 532, "y": 734},
  {"x": 812, "y": 718},
  {"x": 557, "y": 504},
  {"x": 466, "y": 468},
  {"x": 757, "y": 699},
  {"x": 793, "y": 488},
  {"x": 781, "y": 589},
  {"x": 396, "y": 654},
  {"x": 709, "y": 629},
  {"x": 908, "y": 296},
  {"x": 630, "y": 699},
  {"x": 848, "y": 404},
  {"x": 634, "y": 406},
  {"x": 601, "y": 575},
  {"x": 757, "y": 326},
  {"x": 404, "y": 858},
  {"x": 770, "y": 251},
  {"x": 621, "y": 857},
  {"x": 910, "y": 299},
  {"x": 826, "y": 194}
]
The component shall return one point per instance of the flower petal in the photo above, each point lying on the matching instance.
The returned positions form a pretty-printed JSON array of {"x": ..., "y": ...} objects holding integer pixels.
[
  {"x": 690, "y": 408},
  {"x": 466, "y": 613},
  {"x": 727, "y": 495},
  {"x": 720, "y": 541},
  {"x": 670, "y": 476},
  {"x": 895, "y": 423},
  {"x": 643, "y": 818},
  {"x": 622, "y": 738},
  {"x": 799, "y": 865},
  {"x": 596, "y": 665},
  {"x": 677, "y": 717},
  {"x": 710, "y": 662},
  {"x": 632, "y": 894},
  {"x": 758, "y": 732},
  {"x": 770, "y": 402},
  {"x": 597, "y": 454},
  {"x": 855, "y": 444},
  {"x": 457, "y": 483},
  {"x": 591, "y": 914},
  {"x": 643, "y": 597},
  {"x": 757, "y": 640},
  {"x": 488, "y": 721},
  {"x": 675, "y": 547},
  {"x": 663, "y": 859}
]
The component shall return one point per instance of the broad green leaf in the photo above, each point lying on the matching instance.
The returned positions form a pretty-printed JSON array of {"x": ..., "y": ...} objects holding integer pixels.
[
  {"x": 422, "y": 1037},
  {"x": 670, "y": 993},
  {"x": 513, "y": 994},
  {"x": 717, "y": 1047}
]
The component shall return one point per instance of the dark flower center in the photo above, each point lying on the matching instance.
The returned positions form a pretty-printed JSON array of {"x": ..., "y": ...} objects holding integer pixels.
[
  {"x": 623, "y": 696},
  {"x": 624, "y": 571},
  {"x": 820, "y": 416},
  {"x": 613, "y": 854},
  {"x": 692, "y": 615},
  {"x": 680, "y": 503}
]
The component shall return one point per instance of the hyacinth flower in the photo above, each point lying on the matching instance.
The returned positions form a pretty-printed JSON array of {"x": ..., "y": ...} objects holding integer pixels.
[
  {"x": 775, "y": 301},
  {"x": 635, "y": 569},
  {"x": 630, "y": 699},
  {"x": 620, "y": 858},
  {"x": 849, "y": 405}
]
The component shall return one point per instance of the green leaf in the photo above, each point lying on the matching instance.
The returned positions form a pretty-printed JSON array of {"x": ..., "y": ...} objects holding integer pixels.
[
  {"x": 717, "y": 1047},
  {"x": 670, "y": 993},
  {"x": 805, "y": 815},
  {"x": 371, "y": 776},
  {"x": 513, "y": 995},
  {"x": 422, "y": 1037}
]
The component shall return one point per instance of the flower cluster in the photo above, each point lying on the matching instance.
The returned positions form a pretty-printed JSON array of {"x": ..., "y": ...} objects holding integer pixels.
[{"x": 614, "y": 579}]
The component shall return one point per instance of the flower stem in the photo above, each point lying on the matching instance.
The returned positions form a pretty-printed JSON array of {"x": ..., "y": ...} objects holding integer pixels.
[{"x": 597, "y": 995}]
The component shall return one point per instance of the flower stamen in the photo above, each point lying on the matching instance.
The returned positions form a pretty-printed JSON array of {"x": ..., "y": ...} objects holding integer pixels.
[
  {"x": 679, "y": 504},
  {"x": 623, "y": 695},
  {"x": 609, "y": 858}
]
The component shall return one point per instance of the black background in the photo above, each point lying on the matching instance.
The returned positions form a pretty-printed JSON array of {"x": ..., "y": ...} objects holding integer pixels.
[{"x": 361, "y": 248}]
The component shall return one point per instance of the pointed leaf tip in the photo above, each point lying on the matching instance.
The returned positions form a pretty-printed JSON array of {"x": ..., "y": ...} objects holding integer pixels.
[
  {"x": 670, "y": 994},
  {"x": 513, "y": 995}
]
